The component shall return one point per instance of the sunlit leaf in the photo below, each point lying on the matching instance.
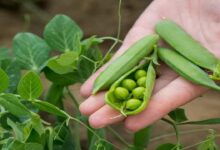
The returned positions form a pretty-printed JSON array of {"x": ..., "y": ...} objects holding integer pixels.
[
  {"x": 63, "y": 34},
  {"x": 13, "y": 105},
  {"x": 30, "y": 86},
  {"x": 31, "y": 51},
  {"x": 4, "y": 81}
]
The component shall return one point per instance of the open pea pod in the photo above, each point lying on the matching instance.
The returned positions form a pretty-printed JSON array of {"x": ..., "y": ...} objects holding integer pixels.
[{"x": 119, "y": 105}]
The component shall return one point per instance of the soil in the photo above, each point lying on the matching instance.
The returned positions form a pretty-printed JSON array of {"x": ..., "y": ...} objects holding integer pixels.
[{"x": 98, "y": 17}]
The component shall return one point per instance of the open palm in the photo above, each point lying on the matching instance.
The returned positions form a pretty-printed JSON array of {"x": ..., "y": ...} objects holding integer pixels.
[{"x": 200, "y": 18}]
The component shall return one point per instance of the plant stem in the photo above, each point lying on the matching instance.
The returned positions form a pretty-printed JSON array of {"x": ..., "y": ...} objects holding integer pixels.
[
  {"x": 118, "y": 34},
  {"x": 119, "y": 137},
  {"x": 111, "y": 38},
  {"x": 76, "y": 133},
  {"x": 83, "y": 124},
  {"x": 173, "y": 134},
  {"x": 175, "y": 128},
  {"x": 73, "y": 98}
]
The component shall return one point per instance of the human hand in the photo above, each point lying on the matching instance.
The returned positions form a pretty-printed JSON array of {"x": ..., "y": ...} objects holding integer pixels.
[{"x": 201, "y": 19}]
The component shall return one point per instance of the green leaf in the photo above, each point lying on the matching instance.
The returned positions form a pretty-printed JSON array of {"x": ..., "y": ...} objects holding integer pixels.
[
  {"x": 88, "y": 61},
  {"x": 207, "y": 145},
  {"x": 4, "y": 81},
  {"x": 63, "y": 34},
  {"x": 202, "y": 122},
  {"x": 4, "y": 53},
  {"x": 85, "y": 68},
  {"x": 65, "y": 79},
  {"x": 3, "y": 120},
  {"x": 21, "y": 132},
  {"x": 98, "y": 143},
  {"x": 90, "y": 42},
  {"x": 50, "y": 136},
  {"x": 37, "y": 124},
  {"x": 178, "y": 115},
  {"x": 11, "y": 67},
  {"x": 67, "y": 58},
  {"x": 63, "y": 64},
  {"x": 57, "y": 68},
  {"x": 33, "y": 146},
  {"x": 54, "y": 94},
  {"x": 167, "y": 146},
  {"x": 47, "y": 107},
  {"x": 209, "y": 142},
  {"x": 17, "y": 145},
  {"x": 92, "y": 51},
  {"x": 30, "y": 86},
  {"x": 31, "y": 51},
  {"x": 13, "y": 105},
  {"x": 142, "y": 137}
]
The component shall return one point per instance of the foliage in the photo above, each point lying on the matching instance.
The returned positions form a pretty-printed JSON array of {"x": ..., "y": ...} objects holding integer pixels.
[{"x": 23, "y": 106}]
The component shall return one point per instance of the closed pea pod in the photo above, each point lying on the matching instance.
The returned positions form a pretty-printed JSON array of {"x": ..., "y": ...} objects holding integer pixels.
[
  {"x": 182, "y": 42},
  {"x": 125, "y": 62},
  {"x": 185, "y": 68}
]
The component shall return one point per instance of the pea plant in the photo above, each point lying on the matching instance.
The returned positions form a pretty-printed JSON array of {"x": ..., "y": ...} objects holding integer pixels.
[{"x": 63, "y": 57}]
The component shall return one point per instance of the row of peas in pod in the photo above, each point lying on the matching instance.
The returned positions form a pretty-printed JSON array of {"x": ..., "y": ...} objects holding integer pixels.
[
  {"x": 131, "y": 90},
  {"x": 129, "y": 86}
]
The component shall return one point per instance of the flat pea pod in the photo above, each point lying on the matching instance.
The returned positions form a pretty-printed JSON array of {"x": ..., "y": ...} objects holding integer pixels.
[
  {"x": 121, "y": 105},
  {"x": 125, "y": 62},
  {"x": 183, "y": 42},
  {"x": 186, "y": 68}
]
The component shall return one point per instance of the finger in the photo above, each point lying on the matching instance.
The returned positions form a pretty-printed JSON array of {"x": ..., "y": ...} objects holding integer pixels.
[
  {"x": 143, "y": 26},
  {"x": 95, "y": 102},
  {"x": 105, "y": 116},
  {"x": 175, "y": 94}
]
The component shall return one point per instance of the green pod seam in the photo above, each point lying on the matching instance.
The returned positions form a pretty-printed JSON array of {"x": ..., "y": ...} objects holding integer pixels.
[
  {"x": 183, "y": 42},
  {"x": 118, "y": 105},
  {"x": 125, "y": 62},
  {"x": 186, "y": 68}
]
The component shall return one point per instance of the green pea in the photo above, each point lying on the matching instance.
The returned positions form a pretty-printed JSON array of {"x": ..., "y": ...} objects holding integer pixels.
[
  {"x": 138, "y": 92},
  {"x": 129, "y": 84},
  {"x": 121, "y": 93},
  {"x": 139, "y": 74},
  {"x": 133, "y": 104},
  {"x": 142, "y": 81}
]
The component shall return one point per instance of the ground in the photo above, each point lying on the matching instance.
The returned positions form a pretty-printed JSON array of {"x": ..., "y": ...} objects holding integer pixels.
[{"x": 98, "y": 17}]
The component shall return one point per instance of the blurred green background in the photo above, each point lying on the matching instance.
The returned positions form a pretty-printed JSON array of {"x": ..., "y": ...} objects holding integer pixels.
[{"x": 95, "y": 17}]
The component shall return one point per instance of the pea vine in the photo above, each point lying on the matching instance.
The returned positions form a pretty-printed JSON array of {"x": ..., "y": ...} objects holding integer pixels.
[{"x": 64, "y": 57}]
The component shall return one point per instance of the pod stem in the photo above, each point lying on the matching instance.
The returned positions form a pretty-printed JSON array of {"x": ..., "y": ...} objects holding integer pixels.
[{"x": 216, "y": 72}]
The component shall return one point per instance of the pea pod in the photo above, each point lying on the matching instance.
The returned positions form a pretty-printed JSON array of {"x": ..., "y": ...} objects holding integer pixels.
[
  {"x": 121, "y": 105},
  {"x": 186, "y": 68},
  {"x": 125, "y": 62},
  {"x": 182, "y": 42}
]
